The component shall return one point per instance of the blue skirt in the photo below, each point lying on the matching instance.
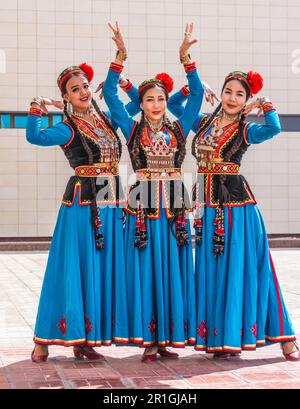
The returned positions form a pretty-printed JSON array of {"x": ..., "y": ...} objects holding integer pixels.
[
  {"x": 160, "y": 286},
  {"x": 83, "y": 298},
  {"x": 239, "y": 301}
]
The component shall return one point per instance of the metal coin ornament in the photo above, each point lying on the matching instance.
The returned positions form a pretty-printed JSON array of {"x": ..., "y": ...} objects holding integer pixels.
[
  {"x": 217, "y": 131},
  {"x": 99, "y": 132}
]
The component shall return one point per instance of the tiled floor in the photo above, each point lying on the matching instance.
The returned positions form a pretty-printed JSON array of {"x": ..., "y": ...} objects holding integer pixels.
[{"x": 20, "y": 282}]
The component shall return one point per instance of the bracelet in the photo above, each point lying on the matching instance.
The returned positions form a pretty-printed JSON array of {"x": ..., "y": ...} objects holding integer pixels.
[
  {"x": 121, "y": 55},
  {"x": 37, "y": 100},
  {"x": 185, "y": 59},
  {"x": 263, "y": 100}
]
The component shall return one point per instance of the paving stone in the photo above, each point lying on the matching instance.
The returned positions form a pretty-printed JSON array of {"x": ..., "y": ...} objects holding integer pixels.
[{"x": 20, "y": 282}]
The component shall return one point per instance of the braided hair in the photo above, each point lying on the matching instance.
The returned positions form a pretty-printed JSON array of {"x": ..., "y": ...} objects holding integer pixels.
[
  {"x": 89, "y": 153},
  {"x": 108, "y": 124}
]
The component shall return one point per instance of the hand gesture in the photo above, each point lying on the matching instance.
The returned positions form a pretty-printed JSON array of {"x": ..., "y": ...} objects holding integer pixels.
[
  {"x": 187, "y": 41},
  {"x": 117, "y": 37},
  {"x": 210, "y": 94},
  {"x": 253, "y": 105},
  {"x": 43, "y": 101},
  {"x": 100, "y": 89}
]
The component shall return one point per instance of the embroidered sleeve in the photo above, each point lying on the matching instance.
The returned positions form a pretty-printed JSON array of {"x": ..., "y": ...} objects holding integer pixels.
[
  {"x": 59, "y": 134},
  {"x": 189, "y": 117},
  {"x": 257, "y": 133},
  {"x": 117, "y": 109}
]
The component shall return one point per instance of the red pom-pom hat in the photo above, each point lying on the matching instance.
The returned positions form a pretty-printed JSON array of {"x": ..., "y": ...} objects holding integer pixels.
[
  {"x": 252, "y": 79},
  {"x": 163, "y": 78},
  {"x": 85, "y": 69}
]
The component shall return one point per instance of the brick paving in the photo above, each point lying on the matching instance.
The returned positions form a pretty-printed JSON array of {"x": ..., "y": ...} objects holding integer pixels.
[{"x": 20, "y": 282}]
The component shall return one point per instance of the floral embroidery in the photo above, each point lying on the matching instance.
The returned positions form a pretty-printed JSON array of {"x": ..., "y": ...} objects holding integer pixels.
[
  {"x": 202, "y": 330},
  {"x": 185, "y": 326},
  {"x": 216, "y": 332},
  {"x": 254, "y": 330},
  {"x": 171, "y": 327},
  {"x": 88, "y": 325},
  {"x": 152, "y": 326},
  {"x": 62, "y": 325}
]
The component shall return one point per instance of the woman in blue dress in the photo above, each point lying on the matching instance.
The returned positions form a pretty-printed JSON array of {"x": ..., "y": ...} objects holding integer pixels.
[
  {"x": 239, "y": 300},
  {"x": 159, "y": 269},
  {"x": 83, "y": 301}
]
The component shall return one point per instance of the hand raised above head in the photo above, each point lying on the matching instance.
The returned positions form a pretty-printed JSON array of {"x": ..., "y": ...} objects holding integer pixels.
[
  {"x": 187, "y": 40},
  {"x": 118, "y": 37}
]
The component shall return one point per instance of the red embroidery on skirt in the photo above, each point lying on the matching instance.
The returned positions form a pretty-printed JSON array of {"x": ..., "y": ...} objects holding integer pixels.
[
  {"x": 88, "y": 325},
  {"x": 185, "y": 326},
  {"x": 152, "y": 326},
  {"x": 254, "y": 330},
  {"x": 216, "y": 331},
  {"x": 171, "y": 327},
  {"x": 62, "y": 325},
  {"x": 202, "y": 330}
]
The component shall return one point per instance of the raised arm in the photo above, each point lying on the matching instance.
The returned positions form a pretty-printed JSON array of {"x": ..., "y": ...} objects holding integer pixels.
[
  {"x": 132, "y": 107},
  {"x": 191, "y": 110},
  {"x": 175, "y": 105},
  {"x": 257, "y": 133},
  {"x": 59, "y": 134},
  {"x": 176, "y": 101},
  {"x": 110, "y": 90}
]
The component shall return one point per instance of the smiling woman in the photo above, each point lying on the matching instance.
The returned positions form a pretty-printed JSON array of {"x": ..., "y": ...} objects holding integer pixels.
[
  {"x": 159, "y": 261},
  {"x": 239, "y": 301},
  {"x": 83, "y": 301}
]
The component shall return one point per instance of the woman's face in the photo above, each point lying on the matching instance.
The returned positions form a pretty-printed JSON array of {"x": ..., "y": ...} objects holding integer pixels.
[
  {"x": 154, "y": 104},
  {"x": 78, "y": 93},
  {"x": 233, "y": 97}
]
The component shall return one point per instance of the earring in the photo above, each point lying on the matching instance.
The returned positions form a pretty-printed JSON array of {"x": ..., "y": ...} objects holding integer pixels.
[{"x": 69, "y": 108}]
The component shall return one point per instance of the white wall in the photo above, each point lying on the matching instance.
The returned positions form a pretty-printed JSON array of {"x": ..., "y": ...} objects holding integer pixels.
[{"x": 38, "y": 38}]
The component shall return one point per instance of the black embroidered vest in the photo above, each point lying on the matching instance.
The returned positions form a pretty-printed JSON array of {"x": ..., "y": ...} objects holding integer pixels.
[
  {"x": 231, "y": 149},
  {"x": 105, "y": 148}
]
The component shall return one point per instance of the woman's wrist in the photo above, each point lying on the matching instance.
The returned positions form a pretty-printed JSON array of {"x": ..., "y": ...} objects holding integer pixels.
[
  {"x": 263, "y": 100},
  {"x": 37, "y": 102},
  {"x": 121, "y": 56},
  {"x": 185, "y": 58}
]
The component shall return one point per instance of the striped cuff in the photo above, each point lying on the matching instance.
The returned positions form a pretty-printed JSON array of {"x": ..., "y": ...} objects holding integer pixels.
[
  {"x": 35, "y": 111},
  {"x": 185, "y": 91},
  {"x": 190, "y": 67},
  {"x": 127, "y": 87},
  {"x": 116, "y": 67},
  {"x": 268, "y": 106}
]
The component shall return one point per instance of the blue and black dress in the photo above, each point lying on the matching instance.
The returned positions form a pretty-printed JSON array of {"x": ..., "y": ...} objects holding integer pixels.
[
  {"x": 83, "y": 298},
  {"x": 159, "y": 261},
  {"x": 239, "y": 300}
]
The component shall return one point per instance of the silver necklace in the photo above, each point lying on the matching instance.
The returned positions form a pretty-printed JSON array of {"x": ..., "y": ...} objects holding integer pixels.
[
  {"x": 230, "y": 117},
  {"x": 154, "y": 128},
  {"x": 81, "y": 114}
]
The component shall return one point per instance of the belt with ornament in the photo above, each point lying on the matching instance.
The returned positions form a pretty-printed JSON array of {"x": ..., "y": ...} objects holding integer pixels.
[
  {"x": 219, "y": 168},
  {"x": 158, "y": 174},
  {"x": 98, "y": 169}
]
